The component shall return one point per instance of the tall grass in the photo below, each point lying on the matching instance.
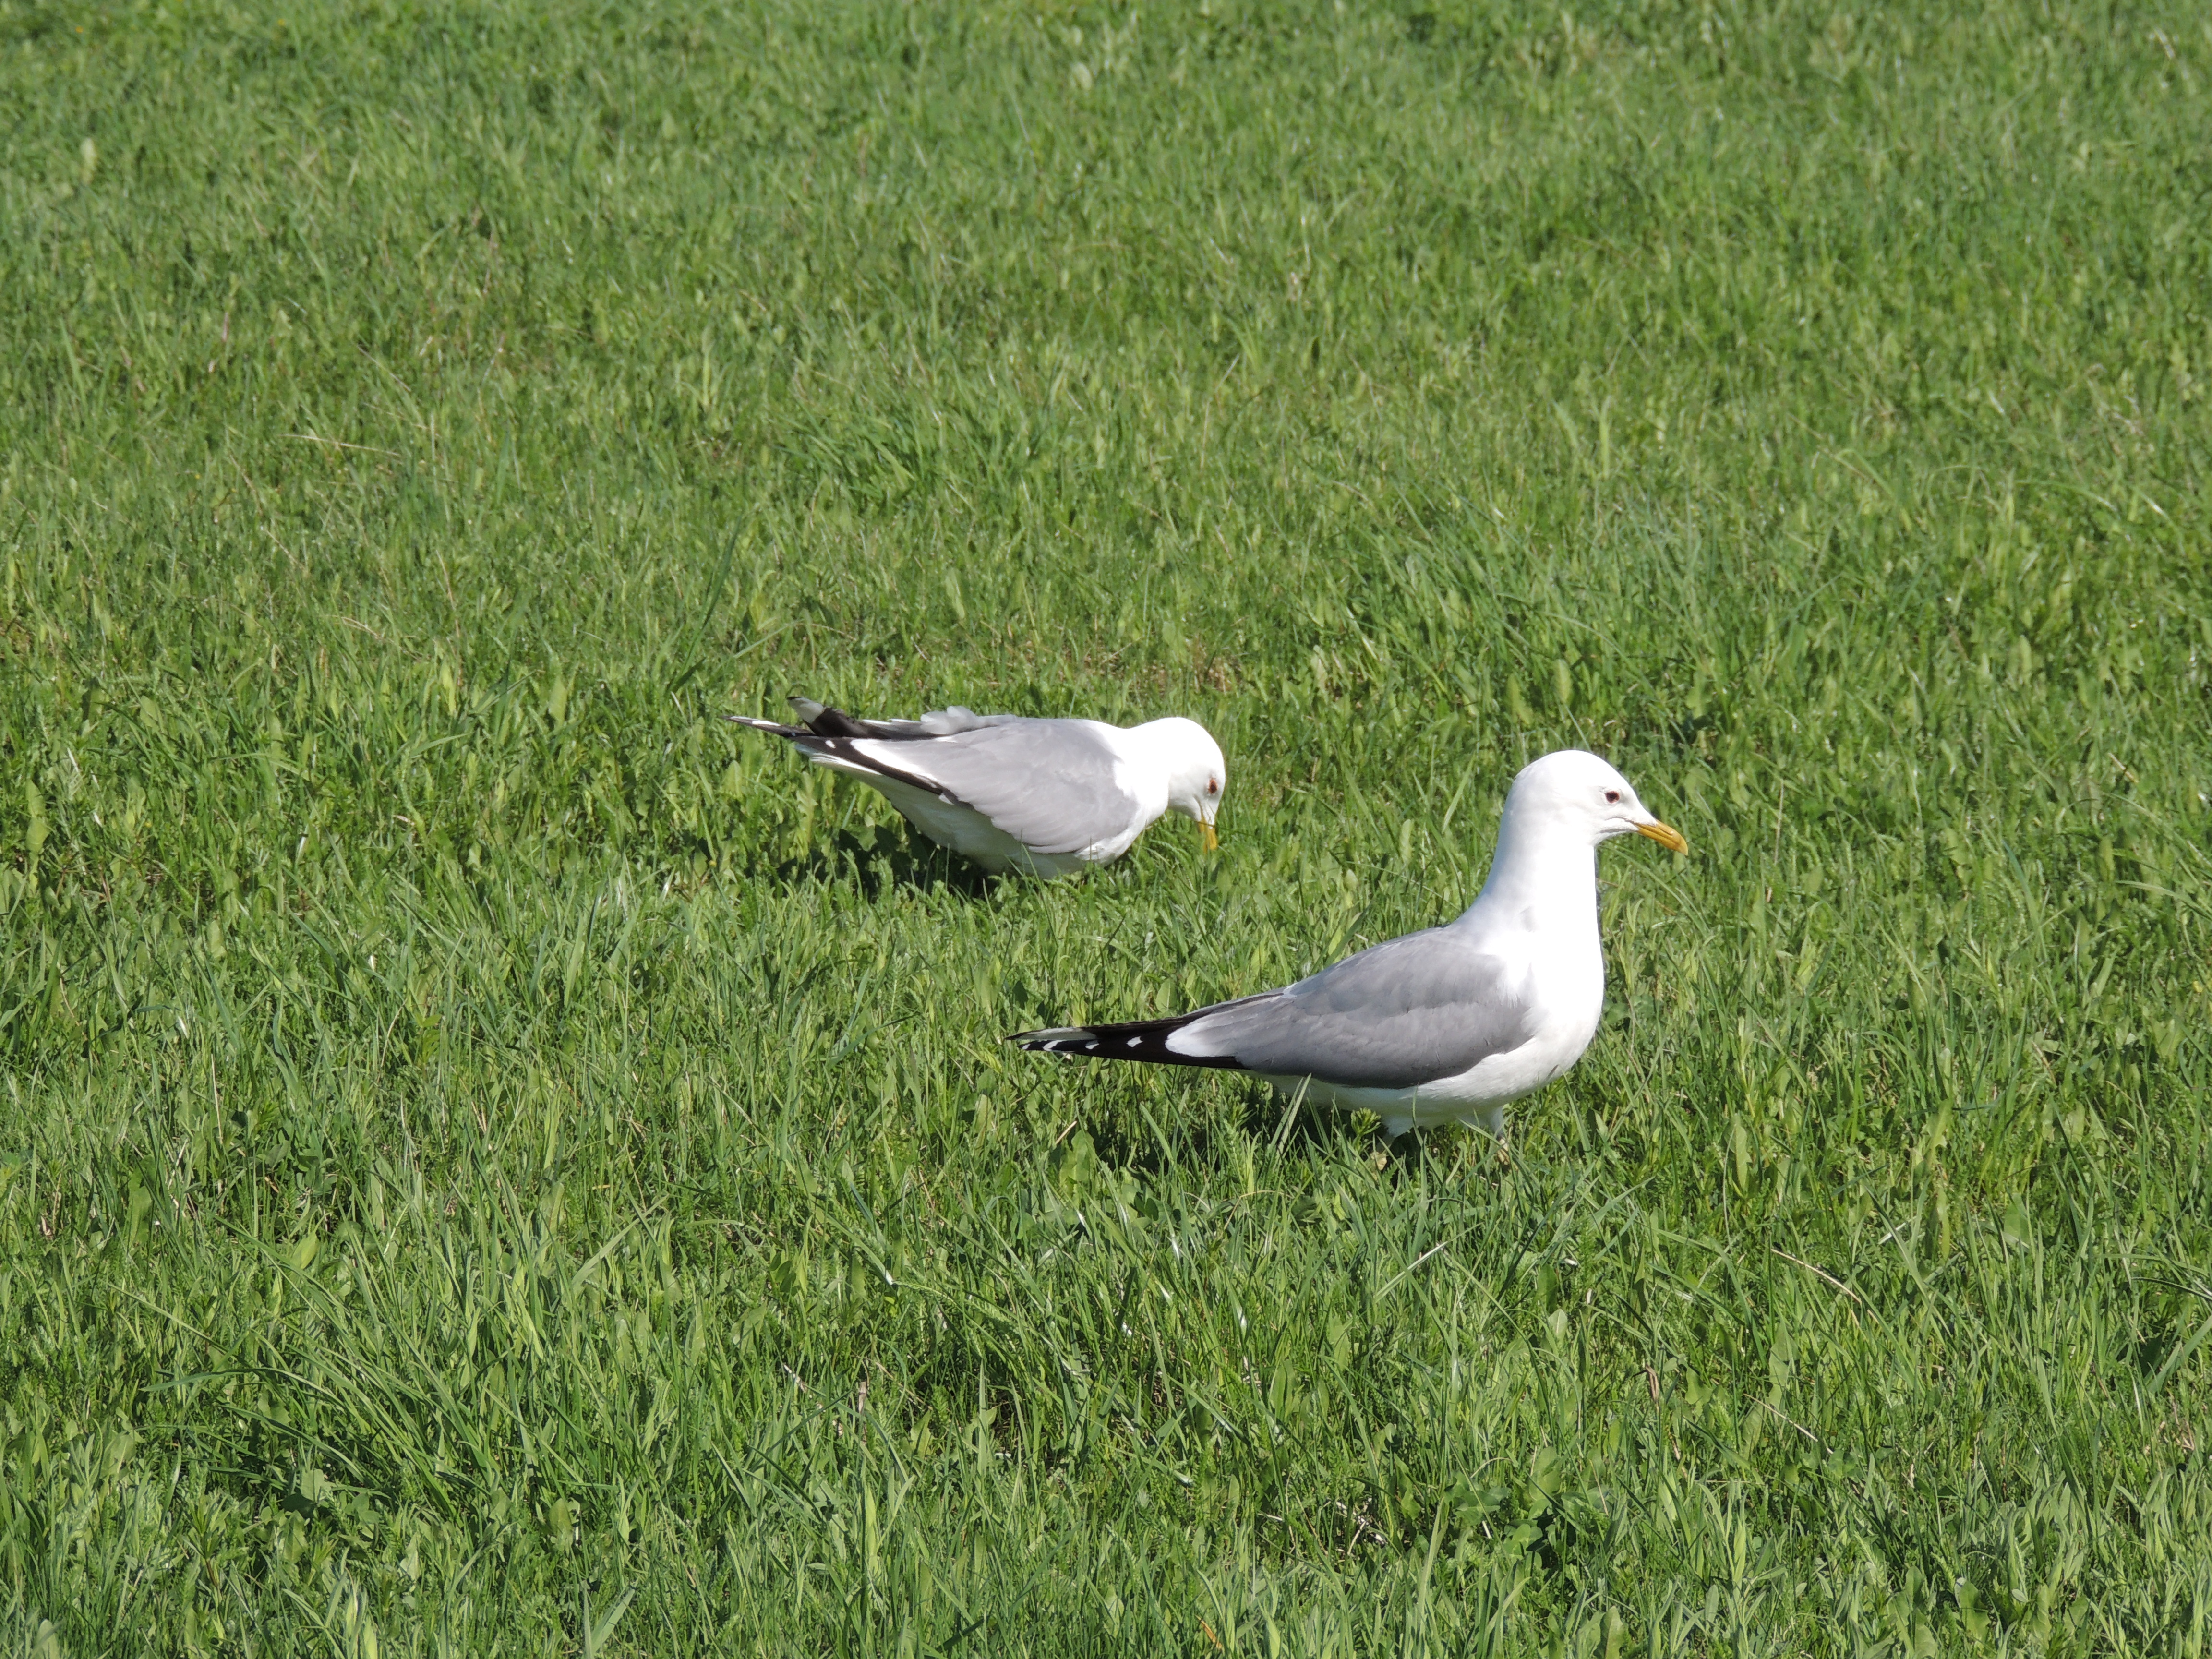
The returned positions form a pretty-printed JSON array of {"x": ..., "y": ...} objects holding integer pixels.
[{"x": 495, "y": 1160}]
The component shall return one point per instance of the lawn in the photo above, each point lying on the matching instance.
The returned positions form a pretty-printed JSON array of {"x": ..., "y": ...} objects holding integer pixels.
[{"x": 497, "y": 1159}]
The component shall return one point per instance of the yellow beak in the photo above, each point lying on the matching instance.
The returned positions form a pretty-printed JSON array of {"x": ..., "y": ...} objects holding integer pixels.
[
  {"x": 1666, "y": 836},
  {"x": 1207, "y": 841}
]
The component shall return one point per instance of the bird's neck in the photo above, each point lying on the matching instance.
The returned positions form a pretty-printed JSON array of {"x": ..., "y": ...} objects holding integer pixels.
[{"x": 1539, "y": 883}]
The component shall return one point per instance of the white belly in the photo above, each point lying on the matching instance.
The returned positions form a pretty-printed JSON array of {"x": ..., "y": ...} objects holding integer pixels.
[{"x": 969, "y": 833}]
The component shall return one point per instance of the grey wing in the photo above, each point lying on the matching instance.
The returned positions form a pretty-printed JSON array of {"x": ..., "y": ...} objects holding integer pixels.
[
  {"x": 1049, "y": 784},
  {"x": 1405, "y": 1013}
]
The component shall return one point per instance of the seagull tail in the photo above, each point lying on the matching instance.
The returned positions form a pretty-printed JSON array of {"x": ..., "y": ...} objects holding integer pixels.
[
  {"x": 1134, "y": 1039},
  {"x": 834, "y": 749},
  {"x": 821, "y": 722},
  {"x": 827, "y": 723}
]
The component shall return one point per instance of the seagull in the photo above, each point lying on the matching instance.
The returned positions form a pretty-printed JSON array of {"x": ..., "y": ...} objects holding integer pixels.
[
  {"x": 1044, "y": 796},
  {"x": 1449, "y": 1024}
]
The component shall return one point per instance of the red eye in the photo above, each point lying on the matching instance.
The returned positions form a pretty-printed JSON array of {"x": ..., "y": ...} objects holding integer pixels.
[{"x": 1613, "y": 794}]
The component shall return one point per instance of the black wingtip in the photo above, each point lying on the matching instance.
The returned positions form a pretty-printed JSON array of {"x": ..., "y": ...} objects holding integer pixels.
[
  {"x": 1052, "y": 1040},
  {"x": 1136, "y": 1039},
  {"x": 836, "y": 723}
]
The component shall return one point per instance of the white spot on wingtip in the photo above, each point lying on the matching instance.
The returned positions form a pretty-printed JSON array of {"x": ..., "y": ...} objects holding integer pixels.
[
  {"x": 1136, "y": 1042},
  {"x": 1088, "y": 1046}
]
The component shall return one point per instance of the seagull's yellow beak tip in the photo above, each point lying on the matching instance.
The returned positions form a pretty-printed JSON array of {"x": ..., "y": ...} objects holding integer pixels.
[
  {"x": 1207, "y": 840},
  {"x": 1666, "y": 836}
]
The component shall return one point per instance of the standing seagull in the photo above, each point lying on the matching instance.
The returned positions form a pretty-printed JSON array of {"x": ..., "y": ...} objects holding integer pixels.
[
  {"x": 1013, "y": 794},
  {"x": 1450, "y": 1023}
]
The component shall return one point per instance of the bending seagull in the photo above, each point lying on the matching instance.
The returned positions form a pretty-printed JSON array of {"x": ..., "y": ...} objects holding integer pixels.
[
  {"x": 1011, "y": 793},
  {"x": 1451, "y": 1022}
]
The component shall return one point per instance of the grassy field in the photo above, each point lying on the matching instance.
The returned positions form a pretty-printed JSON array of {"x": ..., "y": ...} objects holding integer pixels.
[{"x": 496, "y": 1160}]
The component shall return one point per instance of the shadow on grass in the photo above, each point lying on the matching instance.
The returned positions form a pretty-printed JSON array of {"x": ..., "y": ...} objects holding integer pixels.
[
  {"x": 1325, "y": 1130},
  {"x": 882, "y": 858},
  {"x": 1310, "y": 1133}
]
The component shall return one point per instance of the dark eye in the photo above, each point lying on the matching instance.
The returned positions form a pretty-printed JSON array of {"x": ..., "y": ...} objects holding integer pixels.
[
  {"x": 1611, "y": 795},
  {"x": 1213, "y": 786}
]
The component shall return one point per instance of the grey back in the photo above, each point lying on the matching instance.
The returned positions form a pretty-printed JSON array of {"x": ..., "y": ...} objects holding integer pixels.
[{"x": 1049, "y": 784}]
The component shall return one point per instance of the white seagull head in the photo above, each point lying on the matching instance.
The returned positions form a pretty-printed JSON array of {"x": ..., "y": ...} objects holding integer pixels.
[
  {"x": 1572, "y": 796},
  {"x": 1197, "y": 774}
]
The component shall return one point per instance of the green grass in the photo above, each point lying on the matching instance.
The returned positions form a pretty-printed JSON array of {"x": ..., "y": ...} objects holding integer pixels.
[{"x": 496, "y": 1160}]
